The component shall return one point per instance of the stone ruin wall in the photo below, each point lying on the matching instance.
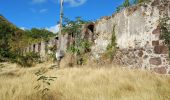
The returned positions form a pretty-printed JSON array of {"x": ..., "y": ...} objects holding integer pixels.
[
  {"x": 41, "y": 48},
  {"x": 137, "y": 36}
]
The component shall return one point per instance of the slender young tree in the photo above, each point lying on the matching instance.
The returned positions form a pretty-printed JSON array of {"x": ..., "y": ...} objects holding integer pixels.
[
  {"x": 58, "y": 54},
  {"x": 61, "y": 16}
]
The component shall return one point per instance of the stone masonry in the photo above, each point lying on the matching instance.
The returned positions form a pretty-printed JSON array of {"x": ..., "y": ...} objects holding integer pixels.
[{"x": 137, "y": 36}]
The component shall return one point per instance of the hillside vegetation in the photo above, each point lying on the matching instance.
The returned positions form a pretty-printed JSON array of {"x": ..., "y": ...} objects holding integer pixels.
[
  {"x": 13, "y": 40},
  {"x": 107, "y": 82}
]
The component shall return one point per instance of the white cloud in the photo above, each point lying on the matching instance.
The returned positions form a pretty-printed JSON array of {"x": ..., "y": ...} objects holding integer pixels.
[
  {"x": 43, "y": 10},
  {"x": 23, "y": 28},
  {"x": 75, "y": 3},
  {"x": 38, "y": 1},
  {"x": 53, "y": 29},
  {"x": 72, "y": 3},
  {"x": 38, "y": 10}
]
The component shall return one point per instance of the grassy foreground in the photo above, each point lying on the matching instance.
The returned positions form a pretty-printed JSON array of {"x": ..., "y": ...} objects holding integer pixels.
[{"x": 85, "y": 83}]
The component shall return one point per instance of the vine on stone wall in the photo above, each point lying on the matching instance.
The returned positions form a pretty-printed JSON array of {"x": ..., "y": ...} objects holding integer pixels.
[
  {"x": 165, "y": 31},
  {"x": 111, "y": 48}
]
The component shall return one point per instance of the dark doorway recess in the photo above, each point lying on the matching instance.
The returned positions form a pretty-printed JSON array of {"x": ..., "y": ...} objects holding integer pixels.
[{"x": 91, "y": 27}]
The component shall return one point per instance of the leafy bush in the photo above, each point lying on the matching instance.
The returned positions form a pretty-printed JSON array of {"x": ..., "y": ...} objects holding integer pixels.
[
  {"x": 26, "y": 60},
  {"x": 51, "y": 55},
  {"x": 80, "y": 46},
  {"x": 140, "y": 1}
]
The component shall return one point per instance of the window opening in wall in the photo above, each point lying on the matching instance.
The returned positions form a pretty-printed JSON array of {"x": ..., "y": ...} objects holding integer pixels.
[
  {"x": 46, "y": 46},
  {"x": 39, "y": 47},
  {"x": 34, "y": 48}
]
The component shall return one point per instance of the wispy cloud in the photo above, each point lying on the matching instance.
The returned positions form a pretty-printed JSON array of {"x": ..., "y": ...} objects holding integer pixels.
[
  {"x": 75, "y": 3},
  {"x": 53, "y": 29},
  {"x": 72, "y": 3},
  {"x": 38, "y": 1},
  {"x": 43, "y": 10}
]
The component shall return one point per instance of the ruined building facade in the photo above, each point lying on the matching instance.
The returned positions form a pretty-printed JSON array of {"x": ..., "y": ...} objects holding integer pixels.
[{"x": 137, "y": 36}]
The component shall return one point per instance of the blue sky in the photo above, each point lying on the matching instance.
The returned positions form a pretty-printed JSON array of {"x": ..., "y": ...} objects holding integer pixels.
[{"x": 45, "y": 13}]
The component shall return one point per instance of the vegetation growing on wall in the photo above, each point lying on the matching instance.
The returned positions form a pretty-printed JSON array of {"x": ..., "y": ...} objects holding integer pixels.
[
  {"x": 51, "y": 55},
  {"x": 165, "y": 31},
  {"x": 140, "y": 1},
  {"x": 128, "y": 3},
  {"x": 125, "y": 4},
  {"x": 111, "y": 48},
  {"x": 79, "y": 46}
]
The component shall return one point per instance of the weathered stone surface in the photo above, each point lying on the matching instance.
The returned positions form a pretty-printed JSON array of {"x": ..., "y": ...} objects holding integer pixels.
[
  {"x": 149, "y": 51},
  {"x": 155, "y": 43},
  {"x": 156, "y": 31},
  {"x": 135, "y": 27},
  {"x": 145, "y": 56},
  {"x": 155, "y": 61},
  {"x": 161, "y": 49},
  {"x": 140, "y": 54},
  {"x": 160, "y": 70},
  {"x": 131, "y": 10},
  {"x": 155, "y": 2}
]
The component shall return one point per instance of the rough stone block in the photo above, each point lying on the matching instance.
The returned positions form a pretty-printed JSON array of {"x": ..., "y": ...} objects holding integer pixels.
[
  {"x": 155, "y": 61},
  {"x": 155, "y": 2},
  {"x": 140, "y": 54},
  {"x": 155, "y": 43},
  {"x": 160, "y": 70},
  {"x": 156, "y": 31},
  {"x": 161, "y": 49}
]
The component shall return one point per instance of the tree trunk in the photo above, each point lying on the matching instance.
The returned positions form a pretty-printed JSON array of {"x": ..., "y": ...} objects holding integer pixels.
[
  {"x": 59, "y": 49},
  {"x": 60, "y": 30}
]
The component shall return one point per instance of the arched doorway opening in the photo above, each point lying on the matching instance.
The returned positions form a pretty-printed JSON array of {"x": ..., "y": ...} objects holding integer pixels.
[{"x": 89, "y": 34}]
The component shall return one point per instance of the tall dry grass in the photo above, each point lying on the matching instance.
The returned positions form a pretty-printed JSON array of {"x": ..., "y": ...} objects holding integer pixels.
[{"x": 85, "y": 83}]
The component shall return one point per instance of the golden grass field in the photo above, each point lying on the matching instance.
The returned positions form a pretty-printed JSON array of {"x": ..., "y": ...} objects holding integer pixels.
[{"x": 108, "y": 82}]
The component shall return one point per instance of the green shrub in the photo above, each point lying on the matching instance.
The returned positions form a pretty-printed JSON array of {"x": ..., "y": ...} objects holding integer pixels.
[
  {"x": 140, "y": 1},
  {"x": 80, "y": 46},
  {"x": 26, "y": 60},
  {"x": 51, "y": 55}
]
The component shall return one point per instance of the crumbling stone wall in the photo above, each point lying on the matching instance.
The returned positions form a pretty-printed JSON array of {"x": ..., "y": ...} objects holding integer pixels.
[
  {"x": 137, "y": 36},
  {"x": 42, "y": 47}
]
